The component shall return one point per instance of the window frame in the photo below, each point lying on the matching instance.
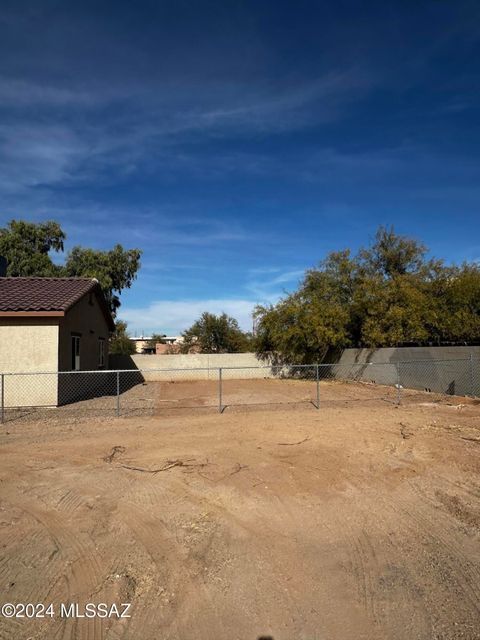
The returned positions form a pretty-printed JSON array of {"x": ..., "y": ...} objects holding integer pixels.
[
  {"x": 75, "y": 351},
  {"x": 101, "y": 353}
]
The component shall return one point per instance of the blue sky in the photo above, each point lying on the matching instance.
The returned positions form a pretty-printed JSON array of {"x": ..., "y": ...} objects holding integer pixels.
[{"x": 237, "y": 142}]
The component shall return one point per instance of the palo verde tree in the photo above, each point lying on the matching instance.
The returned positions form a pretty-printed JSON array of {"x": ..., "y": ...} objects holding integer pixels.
[
  {"x": 389, "y": 294},
  {"x": 27, "y": 246},
  {"x": 215, "y": 334}
]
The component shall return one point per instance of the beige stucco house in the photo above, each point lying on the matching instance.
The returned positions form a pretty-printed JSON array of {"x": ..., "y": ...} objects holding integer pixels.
[{"x": 50, "y": 325}]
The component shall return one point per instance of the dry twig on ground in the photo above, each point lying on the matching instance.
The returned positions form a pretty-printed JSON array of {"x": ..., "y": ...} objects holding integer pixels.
[
  {"x": 290, "y": 444},
  {"x": 169, "y": 465},
  {"x": 117, "y": 449}
]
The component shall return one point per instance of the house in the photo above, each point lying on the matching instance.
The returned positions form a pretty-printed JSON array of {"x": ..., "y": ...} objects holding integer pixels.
[
  {"x": 50, "y": 325},
  {"x": 170, "y": 345},
  {"x": 143, "y": 344}
]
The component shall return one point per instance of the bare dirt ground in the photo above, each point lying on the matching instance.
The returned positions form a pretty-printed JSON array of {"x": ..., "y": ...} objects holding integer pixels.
[{"x": 358, "y": 521}]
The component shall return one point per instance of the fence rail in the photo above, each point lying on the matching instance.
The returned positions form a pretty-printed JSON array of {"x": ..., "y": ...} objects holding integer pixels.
[{"x": 130, "y": 391}]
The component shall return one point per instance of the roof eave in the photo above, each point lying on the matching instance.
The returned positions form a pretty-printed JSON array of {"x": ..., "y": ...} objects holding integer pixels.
[{"x": 27, "y": 314}]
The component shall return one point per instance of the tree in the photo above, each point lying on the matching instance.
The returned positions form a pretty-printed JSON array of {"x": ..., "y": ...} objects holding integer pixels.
[
  {"x": 215, "y": 334},
  {"x": 303, "y": 326},
  {"x": 393, "y": 255},
  {"x": 460, "y": 293},
  {"x": 387, "y": 295},
  {"x": 27, "y": 247},
  {"x": 398, "y": 313},
  {"x": 120, "y": 342},
  {"x": 115, "y": 270}
]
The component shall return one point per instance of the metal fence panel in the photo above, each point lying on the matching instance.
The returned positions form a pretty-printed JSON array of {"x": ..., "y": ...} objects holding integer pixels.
[
  {"x": 440, "y": 378},
  {"x": 255, "y": 386},
  {"x": 155, "y": 391},
  {"x": 37, "y": 395}
]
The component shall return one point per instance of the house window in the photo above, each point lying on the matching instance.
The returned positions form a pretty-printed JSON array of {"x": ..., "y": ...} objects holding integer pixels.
[
  {"x": 101, "y": 352},
  {"x": 75, "y": 353}
]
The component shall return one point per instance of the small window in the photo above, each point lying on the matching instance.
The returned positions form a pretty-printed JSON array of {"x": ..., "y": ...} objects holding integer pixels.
[
  {"x": 75, "y": 353},
  {"x": 101, "y": 352}
]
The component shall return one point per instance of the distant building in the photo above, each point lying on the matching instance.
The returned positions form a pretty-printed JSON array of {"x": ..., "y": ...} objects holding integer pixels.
[{"x": 143, "y": 344}]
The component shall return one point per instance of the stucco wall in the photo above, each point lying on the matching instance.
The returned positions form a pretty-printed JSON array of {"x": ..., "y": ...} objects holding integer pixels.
[
  {"x": 28, "y": 344},
  {"x": 86, "y": 319},
  {"x": 440, "y": 369},
  {"x": 406, "y": 354},
  {"x": 209, "y": 362}
]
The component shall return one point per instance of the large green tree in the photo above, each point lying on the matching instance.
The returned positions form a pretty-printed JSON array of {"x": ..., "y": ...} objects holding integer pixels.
[
  {"x": 115, "y": 269},
  {"x": 389, "y": 294},
  {"x": 28, "y": 246},
  {"x": 215, "y": 334}
]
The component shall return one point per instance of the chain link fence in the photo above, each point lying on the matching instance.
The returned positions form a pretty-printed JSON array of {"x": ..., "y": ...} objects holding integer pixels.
[{"x": 55, "y": 395}]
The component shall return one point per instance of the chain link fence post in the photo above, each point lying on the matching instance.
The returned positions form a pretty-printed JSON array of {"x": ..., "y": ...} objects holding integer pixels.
[
  {"x": 399, "y": 387},
  {"x": 118, "y": 393},
  {"x": 472, "y": 391},
  {"x": 220, "y": 406},
  {"x": 318, "y": 387},
  {"x": 2, "y": 393}
]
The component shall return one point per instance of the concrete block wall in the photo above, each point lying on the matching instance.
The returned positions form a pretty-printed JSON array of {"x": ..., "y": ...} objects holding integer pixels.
[
  {"x": 206, "y": 365},
  {"x": 440, "y": 369}
]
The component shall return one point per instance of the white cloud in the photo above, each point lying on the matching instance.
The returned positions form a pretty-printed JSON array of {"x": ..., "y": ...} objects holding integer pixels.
[{"x": 174, "y": 316}]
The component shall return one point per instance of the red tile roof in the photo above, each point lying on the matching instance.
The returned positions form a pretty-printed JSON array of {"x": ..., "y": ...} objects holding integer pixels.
[{"x": 47, "y": 294}]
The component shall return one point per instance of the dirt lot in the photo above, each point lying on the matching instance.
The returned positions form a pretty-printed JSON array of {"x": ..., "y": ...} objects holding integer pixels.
[{"x": 358, "y": 521}]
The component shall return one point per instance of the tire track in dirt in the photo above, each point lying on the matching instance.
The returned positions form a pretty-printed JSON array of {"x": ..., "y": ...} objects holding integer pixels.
[
  {"x": 440, "y": 483},
  {"x": 469, "y": 574},
  {"x": 117, "y": 584},
  {"x": 78, "y": 554},
  {"x": 260, "y": 545},
  {"x": 192, "y": 501},
  {"x": 445, "y": 567},
  {"x": 374, "y": 536},
  {"x": 154, "y": 498},
  {"x": 21, "y": 559},
  {"x": 173, "y": 574},
  {"x": 138, "y": 512},
  {"x": 362, "y": 561}
]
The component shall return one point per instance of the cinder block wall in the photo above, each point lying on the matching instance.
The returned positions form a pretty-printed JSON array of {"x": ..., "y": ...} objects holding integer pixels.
[
  {"x": 396, "y": 354},
  {"x": 208, "y": 362},
  {"x": 440, "y": 369}
]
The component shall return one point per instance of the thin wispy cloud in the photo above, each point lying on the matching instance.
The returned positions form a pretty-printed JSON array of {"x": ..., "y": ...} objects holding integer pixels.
[
  {"x": 267, "y": 285},
  {"x": 156, "y": 126},
  {"x": 21, "y": 94}
]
